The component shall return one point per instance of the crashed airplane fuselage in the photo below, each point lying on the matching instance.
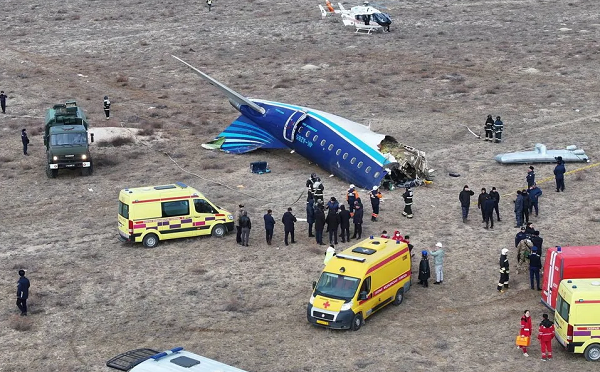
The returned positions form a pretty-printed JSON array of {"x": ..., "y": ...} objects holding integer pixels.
[{"x": 342, "y": 147}]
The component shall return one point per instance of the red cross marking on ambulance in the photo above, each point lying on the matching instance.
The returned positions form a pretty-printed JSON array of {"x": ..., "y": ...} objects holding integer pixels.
[{"x": 326, "y": 304}]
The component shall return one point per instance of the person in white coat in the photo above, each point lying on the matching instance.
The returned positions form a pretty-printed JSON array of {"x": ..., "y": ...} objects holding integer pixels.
[{"x": 438, "y": 261}]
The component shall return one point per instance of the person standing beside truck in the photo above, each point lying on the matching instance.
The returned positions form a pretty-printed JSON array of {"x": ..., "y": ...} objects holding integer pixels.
[
  {"x": 546, "y": 335},
  {"x": 535, "y": 265},
  {"x": 238, "y": 228},
  {"x": 246, "y": 225}
]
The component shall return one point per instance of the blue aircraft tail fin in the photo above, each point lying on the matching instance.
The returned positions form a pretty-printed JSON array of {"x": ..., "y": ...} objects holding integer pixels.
[{"x": 243, "y": 136}]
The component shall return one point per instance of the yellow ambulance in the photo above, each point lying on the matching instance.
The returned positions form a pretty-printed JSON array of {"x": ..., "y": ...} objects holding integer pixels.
[
  {"x": 577, "y": 317},
  {"x": 154, "y": 213},
  {"x": 359, "y": 281}
]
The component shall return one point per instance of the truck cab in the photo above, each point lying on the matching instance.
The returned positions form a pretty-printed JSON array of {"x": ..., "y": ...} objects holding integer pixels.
[{"x": 66, "y": 139}]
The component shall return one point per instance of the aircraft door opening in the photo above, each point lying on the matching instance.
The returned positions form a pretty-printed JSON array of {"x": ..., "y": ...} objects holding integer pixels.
[{"x": 291, "y": 125}]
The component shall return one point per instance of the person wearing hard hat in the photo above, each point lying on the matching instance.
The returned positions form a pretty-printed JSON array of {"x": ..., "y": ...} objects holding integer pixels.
[
  {"x": 351, "y": 197},
  {"x": 438, "y": 261},
  {"x": 375, "y": 196},
  {"x": 408, "y": 200},
  {"x": 504, "y": 271}
]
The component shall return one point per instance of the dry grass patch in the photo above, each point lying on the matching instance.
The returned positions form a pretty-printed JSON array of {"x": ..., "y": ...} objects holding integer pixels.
[
  {"x": 116, "y": 142},
  {"x": 21, "y": 324}
]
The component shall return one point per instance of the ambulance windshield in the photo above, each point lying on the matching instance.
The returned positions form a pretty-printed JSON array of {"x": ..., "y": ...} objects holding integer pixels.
[{"x": 337, "y": 286}]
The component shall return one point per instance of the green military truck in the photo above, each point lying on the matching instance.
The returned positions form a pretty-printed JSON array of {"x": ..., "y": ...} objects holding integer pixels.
[{"x": 66, "y": 139}]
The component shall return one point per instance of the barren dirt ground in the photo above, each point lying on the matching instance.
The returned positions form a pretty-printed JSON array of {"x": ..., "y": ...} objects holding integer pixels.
[{"x": 444, "y": 65}]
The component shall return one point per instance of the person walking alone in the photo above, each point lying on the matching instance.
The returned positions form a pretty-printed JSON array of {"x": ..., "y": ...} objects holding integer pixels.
[
  {"x": 465, "y": 201},
  {"x": 546, "y": 335},
  {"x": 238, "y": 228},
  {"x": 504, "y": 271},
  {"x": 246, "y": 225},
  {"x": 3, "y": 101},
  {"x": 288, "y": 221},
  {"x": 269, "y": 225},
  {"x": 106, "y": 105},
  {"x": 559, "y": 174},
  {"x": 525, "y": 330},
  {"x": 408, "y": 200},
  {"x": 22, "y": 292},
  {"x": 438, "y": 261},
  {"x": 25, "y": 140}
]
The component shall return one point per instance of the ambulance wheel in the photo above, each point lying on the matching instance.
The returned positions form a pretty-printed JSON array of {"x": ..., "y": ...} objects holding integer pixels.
[
  {"x": 592, "y": 353},
  {"x": 399, "y": 297},
  {"x": 150, "y": 241},
  {"x": 219, "y": 231},
  {"x": 357, "y": 322}
]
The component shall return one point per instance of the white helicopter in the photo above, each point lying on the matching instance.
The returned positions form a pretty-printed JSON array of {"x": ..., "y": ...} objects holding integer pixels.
[{"x": 364, "y": 17}]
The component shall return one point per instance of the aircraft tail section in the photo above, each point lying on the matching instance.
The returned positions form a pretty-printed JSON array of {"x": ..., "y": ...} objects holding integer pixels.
[{"x": 244, "y": 136}]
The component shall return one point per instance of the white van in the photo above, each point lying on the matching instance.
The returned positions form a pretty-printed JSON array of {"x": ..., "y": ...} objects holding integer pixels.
[{"x": 176, "y": 359}]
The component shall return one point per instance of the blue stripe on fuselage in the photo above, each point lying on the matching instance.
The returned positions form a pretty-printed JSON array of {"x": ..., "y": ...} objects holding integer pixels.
[{"x": 376, "y": 155}]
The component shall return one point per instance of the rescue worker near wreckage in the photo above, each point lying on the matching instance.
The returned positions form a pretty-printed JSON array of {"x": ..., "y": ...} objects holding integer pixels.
[
  {"x": 526, "y": 206},
  {"x": 351, "y": 197},
  {"x": 288, "y": 220},
  {"x": 480, "y": 200},
  {"x": 488, "y": 127},
  {"x": 504, "y": 271},
  {"x": 530, "y": 178},
  {"x": 269, "y": 225},
  {"x": 408, "y": 200},
  {"x": 559, "y": 174},
  {"x": 318, "y": 190},
  {"x": 357, "y": 219},
  {"x": 319, "y": 223},
  {"x": 375, "y": 197},
  {"x": 310, "y": 201},
  {"x": 498, "y": 129},
  {"x": 519, "y": 209}
]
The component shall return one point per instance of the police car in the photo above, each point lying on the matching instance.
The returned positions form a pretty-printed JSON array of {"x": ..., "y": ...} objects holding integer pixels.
[{"x": 174, "y": 360}]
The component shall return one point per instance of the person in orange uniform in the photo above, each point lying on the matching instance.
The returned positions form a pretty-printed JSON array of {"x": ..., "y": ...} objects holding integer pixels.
[{"x": 375, "y": 196}]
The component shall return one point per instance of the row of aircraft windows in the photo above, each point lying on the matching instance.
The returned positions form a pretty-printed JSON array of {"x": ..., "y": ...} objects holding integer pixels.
[{"x": 339, "y": 151}]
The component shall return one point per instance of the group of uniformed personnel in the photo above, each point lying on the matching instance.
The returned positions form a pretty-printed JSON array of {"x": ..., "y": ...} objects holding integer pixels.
[{"x": 493, "y": 129}]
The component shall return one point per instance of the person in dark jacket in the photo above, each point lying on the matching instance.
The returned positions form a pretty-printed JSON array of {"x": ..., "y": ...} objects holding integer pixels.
[
  {"x": 424, "y": 270},
  {"x": 538, "y": 241},
  {"x": 25, "y": 140},
  {"x": 246, "y": 225},
  {"x": 534, "y": 195},
  {"x": 488, "y": 127},
  {"x": 3, "y": 101},
  {"x": 357, "y": 219},
  {"x": 535, "y": 265},
  {"x": 333, "y": 221},
  {"x": 344, "y": 223},
  {"x": 310, "y": 216},
  {"x": 519, "y": 209},
  {"x": 269, "y": 225},
  {"x": 526, "y": 206},
  {"x": 351, "y": 197},
  {"x": 498, "y": 128},
  {"x": 559, "y": 174},
  {"x": 530, "y": 177},
  {"x": 288, "y": 221},
  {"x": 480, "y": 200},
  {"x": 22, "y": 292},
  {"x": 375, "y": 196},
  {"x": 319, "y": 190},
  {"x": 465, "y": 201},
  {"x": 106, "y": 105},
  {"x": 530, "y": 229},
  {"x": 494, "y": 194},
  {"x": 521, "y": 235},
  {"x": 504, "y": 271},
  {"x": 332, "y": 204},
  {"x": 488, "y": 212},
  {"x": 408, "y": 200},
  {"x": 319, "y": 224}
]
